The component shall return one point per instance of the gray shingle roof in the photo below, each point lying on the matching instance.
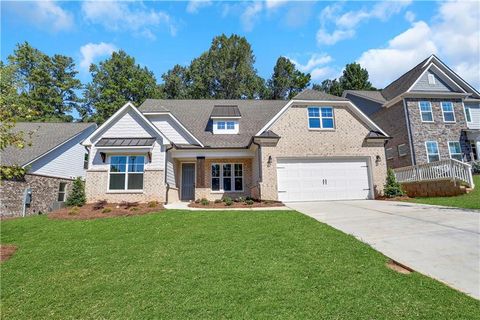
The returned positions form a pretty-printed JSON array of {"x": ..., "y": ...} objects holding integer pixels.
[
  {"x": 45, "y": 136},
  {"x": 374, "y": 95},
  {"x": 130, "y": 142},
  {"x": 310, "y": 94},
  {"x": 225, "y": 111},
  {"x": 195, "y": 116},
  {"x": 269, "y": 134}
]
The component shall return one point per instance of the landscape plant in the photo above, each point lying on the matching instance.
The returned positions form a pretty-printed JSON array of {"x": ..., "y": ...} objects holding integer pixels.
[{"x": 77, "y": 197}]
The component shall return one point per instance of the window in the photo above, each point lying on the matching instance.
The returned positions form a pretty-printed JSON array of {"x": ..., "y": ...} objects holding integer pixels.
[
  {"x": 62, "y": 189},
  {"x": 227, "y": 177},
  {"x": 426, "y": 111},
  {"x": 221, "y": 125},
  {"x": 448, "y": 113},
  {"x": 230, "y": 125},
  {"x": 390, "y": 153},
  {"x": 468, "y": 115},
  {"x": 225, "y": 126},
  {"x": 402, "y": 150},
  {"x": 126, "y": 172},
  {"x": 320, "y": 118},
  {"x": 473, "y": 147},
  {"x": 85, "y": 161},
  {"x": 432, "y": 151},
  {"x": 455, "y": 150},
  {"x": 431, "y": 79}
]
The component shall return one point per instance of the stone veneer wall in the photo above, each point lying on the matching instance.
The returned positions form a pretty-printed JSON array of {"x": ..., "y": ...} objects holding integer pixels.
[
  {"x": 213, "y": 195},
  {"x": 153, "y": 188},
  {"x": 442, "y": 188},
  {"x": 438, "y": 130},
  {"x": 347, "y": 140},
  {"x": 44, "y": 194},
  {"x": 392, "y": 120}
]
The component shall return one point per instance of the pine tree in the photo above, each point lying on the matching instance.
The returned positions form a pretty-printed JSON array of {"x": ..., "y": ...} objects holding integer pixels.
[
  {"x": 392, "y": 188},
  {"x": 77, "y": 196}
]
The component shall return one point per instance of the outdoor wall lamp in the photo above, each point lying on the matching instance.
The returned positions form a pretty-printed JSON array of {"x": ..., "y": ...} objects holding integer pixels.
[
  {"x": 269, "y": 162},
  {"x": 378, "y": 159}
]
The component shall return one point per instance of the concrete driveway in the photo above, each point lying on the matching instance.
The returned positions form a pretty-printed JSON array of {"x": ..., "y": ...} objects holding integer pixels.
[{"x": 440, "y": 242}]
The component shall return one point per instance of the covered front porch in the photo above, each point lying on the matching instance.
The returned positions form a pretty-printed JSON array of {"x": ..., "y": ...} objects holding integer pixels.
[{"x": 211, "y": 174}]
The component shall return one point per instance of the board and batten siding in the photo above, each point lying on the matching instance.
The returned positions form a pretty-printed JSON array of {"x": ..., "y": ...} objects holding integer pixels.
[
  {"x": 64, "y": 162},
  {"x": 171, "y": 129},
  {"x": 423, "y": 85}
]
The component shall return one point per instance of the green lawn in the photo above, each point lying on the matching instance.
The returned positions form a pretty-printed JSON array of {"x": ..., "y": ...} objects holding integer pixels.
[
  {"x": 469, "y": 201},
  {"x": 198, "y": 265}
]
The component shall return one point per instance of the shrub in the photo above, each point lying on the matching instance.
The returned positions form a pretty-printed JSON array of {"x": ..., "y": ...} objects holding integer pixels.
[
  {"x": 73, "y": 211},
  {"x": 204, "y": 202},
  {"x": 227, "y": 199},
  {"x": 77, "y": 197},
  {"x": 249, "y": 202},
  {"x": 106, "y": 210},
  {"x": 250, "y": 198},
  {"x": 476, "y": 167},
  {"x": 392, "y": 188},
  {"x": 228, "y": 202},
  {"x": 218, "y": 200},
  {"x": 152, "y": 204}
]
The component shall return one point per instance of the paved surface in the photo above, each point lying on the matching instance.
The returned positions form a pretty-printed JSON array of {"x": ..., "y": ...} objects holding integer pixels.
[{"x": 441, "y": 242}]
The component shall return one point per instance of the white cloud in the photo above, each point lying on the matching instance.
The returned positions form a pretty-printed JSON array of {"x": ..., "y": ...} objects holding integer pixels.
[
  {"x": 250, "y": 15},
  {"x": 410, "y": 16},
  {"x": 345, "y": 24},
  {"x": 194, "y": 6},
  {"x": 92, "y": 51},
  {"x": 45, "y": 14},
  {"x": 454, "y": 36},
  {"x": 274, "y": 4},
  {"x": 316, "y": 66},
  {"x": 118, "y": 16}
]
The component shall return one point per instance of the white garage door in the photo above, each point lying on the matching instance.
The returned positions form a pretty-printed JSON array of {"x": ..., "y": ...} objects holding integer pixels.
[{"x": 311, "y": 180}]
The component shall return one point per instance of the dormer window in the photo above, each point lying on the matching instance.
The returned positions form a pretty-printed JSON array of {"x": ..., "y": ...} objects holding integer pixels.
[{"x": 225, "y": 119}]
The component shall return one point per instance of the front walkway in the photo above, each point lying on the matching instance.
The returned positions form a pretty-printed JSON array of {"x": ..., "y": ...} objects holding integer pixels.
[{"x": 441, "y": 242}]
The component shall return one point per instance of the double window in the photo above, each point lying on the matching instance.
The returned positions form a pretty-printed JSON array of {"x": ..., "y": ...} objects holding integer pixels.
[
  {"x": 455, "y": 150},
  {"x": 227, "y": 177},
  {"x": 62, "y": 191},
  {"x": 320, "y": 118},
  {"x": 228, "y": 125},
  {"x": 126, "y": 172},
  {"x": 432, "y": 151},
  {"x": 447, "y": 111},
  {"x": 426, "y": 111}
]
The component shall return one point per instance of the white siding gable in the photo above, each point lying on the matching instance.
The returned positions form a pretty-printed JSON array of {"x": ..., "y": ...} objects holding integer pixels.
[
  {"x": 171, "y": 129},
  {"x": 66, "y": 161},
  {"x": 129, "y": 125}
]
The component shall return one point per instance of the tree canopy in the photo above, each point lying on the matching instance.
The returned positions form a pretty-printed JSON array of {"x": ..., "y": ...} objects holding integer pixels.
[
  {"x": 354, "y": 77},
  {"x": 286, "y": 80}
]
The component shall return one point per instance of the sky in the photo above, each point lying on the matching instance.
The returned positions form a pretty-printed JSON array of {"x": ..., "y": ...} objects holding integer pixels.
[{"x": 387, "y": 37}]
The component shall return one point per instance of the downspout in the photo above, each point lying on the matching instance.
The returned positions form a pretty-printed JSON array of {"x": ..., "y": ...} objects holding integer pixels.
[
  {"x": 166, "y": 169},
  {"x": 409, "y": 131}
]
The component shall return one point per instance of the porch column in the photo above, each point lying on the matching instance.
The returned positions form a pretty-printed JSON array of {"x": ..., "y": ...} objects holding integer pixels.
[
  {"x": 200, "y": 183},
  {"x": 477, "y": 143}
]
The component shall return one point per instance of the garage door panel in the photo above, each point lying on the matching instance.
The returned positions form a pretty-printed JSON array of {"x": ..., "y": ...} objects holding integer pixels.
[{"x": 310, "y": 180}]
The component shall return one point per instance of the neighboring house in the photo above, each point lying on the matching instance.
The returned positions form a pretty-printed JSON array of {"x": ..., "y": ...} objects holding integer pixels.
[
  {"x": 53, "y": 160},
  {"x": 313, "y": 147},
  {"x": 431, "y": 113}
]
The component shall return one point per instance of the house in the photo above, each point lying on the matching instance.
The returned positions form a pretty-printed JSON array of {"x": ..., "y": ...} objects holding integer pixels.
[
  {"x": 53, "y": 160},
  {"x": 431, "y": 113},
  {"x": 316, "y": 146}
]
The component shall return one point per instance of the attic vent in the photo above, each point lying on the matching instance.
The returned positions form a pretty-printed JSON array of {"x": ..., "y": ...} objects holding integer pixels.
[
  {"x": 225, "y": 112},
  {"x": 431, "y": 79}
]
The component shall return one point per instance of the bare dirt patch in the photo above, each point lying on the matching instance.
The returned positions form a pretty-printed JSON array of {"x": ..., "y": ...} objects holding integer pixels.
[
  {"x": 7, "y": 251},
  {"x": 398, "y": 267},
  {"x": 220, "y": 205},
  {"x": 93, "y": 211}
]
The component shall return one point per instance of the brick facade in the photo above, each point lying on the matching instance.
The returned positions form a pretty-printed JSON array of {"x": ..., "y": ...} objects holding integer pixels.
[
  {"x": 96, "y": 188},
  {"x": 44, "y": 194},
  {"x": 438, "y": 130},
  {"x": 347, "y": 140}
]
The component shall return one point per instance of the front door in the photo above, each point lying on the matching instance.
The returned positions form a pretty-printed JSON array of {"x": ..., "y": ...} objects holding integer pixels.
[{"x": 188, "y": 181}]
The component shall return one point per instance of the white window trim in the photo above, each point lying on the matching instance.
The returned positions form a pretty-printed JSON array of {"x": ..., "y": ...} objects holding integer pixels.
[
  {"x": 450, "y": 153},
  {"x": 225, "y": 130},
  {"x": 320, "y": 117},
  {"x": 426, "y": 149},
  {"x": 386, "y": 154},
  {"x": 398, "y": 148},
  {"x": 126, "y": 174},
  {"x": 64, "y": 192},
  {"x": 233, "y": 176},
  {"x": 466, "y": 110},
  {"x": 421, "y": 112},
  {"x": 453, "y": 111}
]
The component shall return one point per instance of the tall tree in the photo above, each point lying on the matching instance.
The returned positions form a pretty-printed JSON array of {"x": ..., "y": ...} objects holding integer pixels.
[
  {"x": 225, "y": 71},
  {"x": 116, "y": 81},
  {"x": 286, "y": 80},
  {"x": 47, "y": 84},
  {"x": 329, "y": 86}
]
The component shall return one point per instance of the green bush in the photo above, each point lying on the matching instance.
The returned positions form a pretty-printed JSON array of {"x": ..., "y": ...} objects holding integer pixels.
[
  {"x": 227, "y": 199},
  {"x": 392, "y": 188},
  {"x": 77, "y": 196},
  {"x": 476, "y": 167},
  {"x": 204, "y": 202},
  {"x": 249, "y": 202},
  {"x": 228, "y": 202}
]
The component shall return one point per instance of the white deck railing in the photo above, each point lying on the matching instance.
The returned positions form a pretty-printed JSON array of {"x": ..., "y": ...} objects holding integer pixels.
[{"x": 450, "y": 169}]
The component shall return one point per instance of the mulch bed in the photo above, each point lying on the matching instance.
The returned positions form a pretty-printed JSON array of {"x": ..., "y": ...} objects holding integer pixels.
[
  {"x": 92, "y": 211},
  {"x": 7, "y": 251},
  {"x": 222, "y": 205},
  {"x": 401, "y": 198}
]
